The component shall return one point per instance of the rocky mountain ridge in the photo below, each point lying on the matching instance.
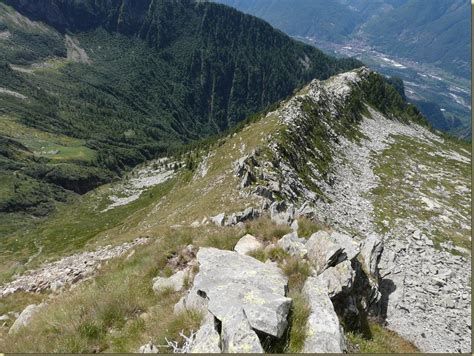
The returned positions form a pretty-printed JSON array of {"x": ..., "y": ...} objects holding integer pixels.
[
  {"x": 321, "y": 156},
  {"x": 90, "y": 89}
]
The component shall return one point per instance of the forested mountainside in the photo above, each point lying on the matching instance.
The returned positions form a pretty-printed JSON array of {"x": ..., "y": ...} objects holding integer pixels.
[
  {"x": 89, "y": 89},
  {"x": 426, "y": 43}
]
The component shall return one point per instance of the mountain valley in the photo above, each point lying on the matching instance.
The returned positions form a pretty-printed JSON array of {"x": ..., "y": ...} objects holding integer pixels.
[{"x": 427, "y": 44}]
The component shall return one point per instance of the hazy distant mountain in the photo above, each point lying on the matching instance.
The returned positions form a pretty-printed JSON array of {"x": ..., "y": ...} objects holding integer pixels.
[{"x": 431, "y": 38}]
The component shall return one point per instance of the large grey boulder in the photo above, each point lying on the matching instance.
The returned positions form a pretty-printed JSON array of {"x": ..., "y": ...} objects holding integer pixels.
[
  {"x": 228, "y": 280},
  {"x": 266, "y": 311},
  {"x": 175, "y": 282},
  {"x": 282, "y": 213},
  {"x": 324, "y": 333},
  {"x": 242, "y": 216},
  {"x": 347, "y": 243},
  {"x": 25, "y": 317},
  {"x": 327, "y": 249},
  {"x": 238, "y": 335},
  {"x": 338, "y": 279},
  {"x": 294, "y": 245},
  {"x": 323, "y": 251},
  {"x": 247, "y": 244},
  {"x": 371, "y": 252},
  {"x": 207, "y": 339}
]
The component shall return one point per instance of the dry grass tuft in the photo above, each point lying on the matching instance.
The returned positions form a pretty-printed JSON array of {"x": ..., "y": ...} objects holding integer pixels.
[{"x": 265, "y": 229}]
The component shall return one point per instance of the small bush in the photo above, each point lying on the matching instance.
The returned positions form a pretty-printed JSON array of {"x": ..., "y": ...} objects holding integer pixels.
[
  {"x": 277, "y": 254},
  {"x": 90, "y": 330}
]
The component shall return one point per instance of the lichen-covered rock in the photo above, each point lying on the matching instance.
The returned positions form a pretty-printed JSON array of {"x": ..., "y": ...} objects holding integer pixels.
[
  {"x": 175, "y": 282},
  {"x": 207, "y": 339},
  {"x": 228, "y": 281},
  {"x": 338, "y": 279},
  {"x": 247, "y": 244},
  {"x": 25, "y": 317},
  {"x": 324, "y": 333},
  {"x": 323, "y": 252},
  {"x": 237, "y": 333},
  {"x": 266, "y": 312},
  {"x": 294, "y": 245}
]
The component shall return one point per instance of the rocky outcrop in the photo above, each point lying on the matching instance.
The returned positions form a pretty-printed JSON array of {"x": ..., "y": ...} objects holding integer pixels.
[
  {"x": 282, "y": 213},
  {"x": 236, "y": 218},
  {"x": 338, "y": 279},
  {"x": 218, "y": 219},
  {"x": 324, "y": 252},
  {"x": 244, "y": 295},
  {"x": 294, "y": 245},
  {"x": 371, "y": 252}
]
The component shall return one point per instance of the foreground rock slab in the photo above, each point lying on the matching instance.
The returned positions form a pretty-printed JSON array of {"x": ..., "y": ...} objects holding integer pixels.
[
  {"x": 239, "y": 290},
  {"x": 324, "y": 334}
]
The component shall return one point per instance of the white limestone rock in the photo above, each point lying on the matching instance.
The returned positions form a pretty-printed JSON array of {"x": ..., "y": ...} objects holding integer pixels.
[{"x": 247, "y": 244}]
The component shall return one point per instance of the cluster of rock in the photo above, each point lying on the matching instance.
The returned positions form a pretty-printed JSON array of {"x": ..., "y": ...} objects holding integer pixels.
[
  {"x": 68, "y": 270},
  {"x": 236, "y": 218},
  {"x": 346, "y": 203},
  {"x": 245, "y": 300}
]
